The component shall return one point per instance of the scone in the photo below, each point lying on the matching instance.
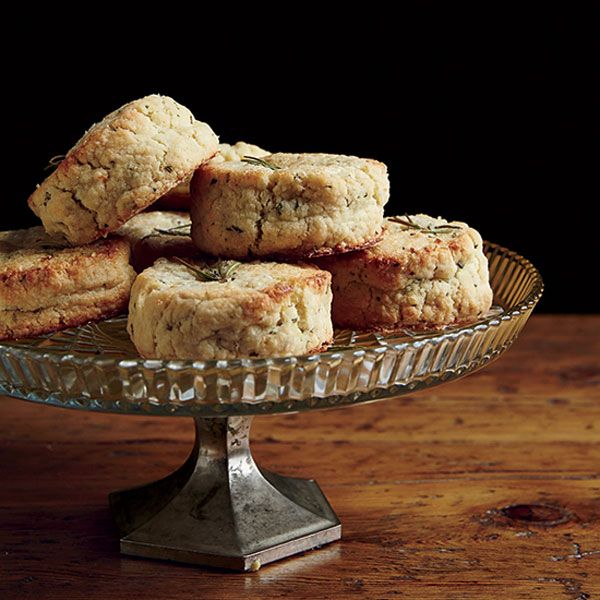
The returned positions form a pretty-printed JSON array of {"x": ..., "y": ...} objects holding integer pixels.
[
  {"x": 425, "y": 273},
  {"x": 289, "y": 206},
  {"x": 181, "y": 309},
  {"x": 121, "y": 166},
  {"x": 46, "y": 286},
  {"x": 155, "y": 234},
  {"x": 179, "y": 197}
]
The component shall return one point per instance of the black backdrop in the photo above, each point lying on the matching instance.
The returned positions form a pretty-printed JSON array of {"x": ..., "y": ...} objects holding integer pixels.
[{"x": 488, "y": 118}]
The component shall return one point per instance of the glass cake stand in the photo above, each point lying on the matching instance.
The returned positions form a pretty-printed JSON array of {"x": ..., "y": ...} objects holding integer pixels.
[{"x": 220, "y": 508}]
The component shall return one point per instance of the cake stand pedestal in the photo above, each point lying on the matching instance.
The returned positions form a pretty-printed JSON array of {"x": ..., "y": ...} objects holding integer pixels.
[{"x": 221, "y": 509}]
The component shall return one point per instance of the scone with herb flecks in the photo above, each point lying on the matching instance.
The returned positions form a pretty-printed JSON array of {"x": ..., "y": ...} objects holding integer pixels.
[
  {"x": 46, "y": 286},
  {"x": 289, "y": 206},
  {"x": 179, "y": 197},
  {"x": 182, "y": 309},
  {"x": 120, "y": 166},
  {"x": 425, "y": 273},
  {"x": 156, "y": 234}
]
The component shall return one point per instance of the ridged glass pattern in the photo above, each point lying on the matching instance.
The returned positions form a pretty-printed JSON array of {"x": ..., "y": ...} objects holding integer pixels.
[{"x": 95, "y": 367}]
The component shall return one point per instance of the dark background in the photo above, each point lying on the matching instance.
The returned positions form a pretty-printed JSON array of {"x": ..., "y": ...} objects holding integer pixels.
[{"x": 488, "y": 118}]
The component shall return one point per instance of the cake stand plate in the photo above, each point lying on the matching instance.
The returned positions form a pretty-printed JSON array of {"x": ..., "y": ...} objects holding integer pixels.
[{"x": 220, "y": 508}]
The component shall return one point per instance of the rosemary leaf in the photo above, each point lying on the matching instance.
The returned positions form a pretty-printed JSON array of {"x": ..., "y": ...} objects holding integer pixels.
[
  {"x": 408, "y": 222},
  {"x": 201, "y": 274},
  {"x": 54, "y": 162},
  {"x": 178, "y": 230},
  {"x": 220, "y": 272},
  {"x": 229, "y": 268},
  {"x": 404, "y": 222},
  {"x": 259, "y": 162}
]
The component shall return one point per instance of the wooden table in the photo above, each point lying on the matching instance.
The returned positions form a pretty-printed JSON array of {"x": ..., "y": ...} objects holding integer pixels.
[{"x": 484, "y": 488}]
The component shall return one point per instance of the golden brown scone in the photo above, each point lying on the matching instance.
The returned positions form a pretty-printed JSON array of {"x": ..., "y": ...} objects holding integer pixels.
[
  {"x": 426, "y": 273},
  {"x": 45, "y": 286},
  {"x": 288, "y": 206},
  {"x": 179, "y": 197},
  {"x": 158, "y": 234},
  {"x": 120, "y": 166},
  {"x": 251, "y": 309}
]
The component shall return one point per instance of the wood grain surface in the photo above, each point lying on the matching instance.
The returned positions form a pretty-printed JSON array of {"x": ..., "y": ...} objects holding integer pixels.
[{"x": 486, "y": 488}]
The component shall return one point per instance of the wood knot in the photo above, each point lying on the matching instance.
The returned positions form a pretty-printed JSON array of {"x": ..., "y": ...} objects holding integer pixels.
[
  {"x": 534, "y": 514},
  {"x": 547, "y": 515}
]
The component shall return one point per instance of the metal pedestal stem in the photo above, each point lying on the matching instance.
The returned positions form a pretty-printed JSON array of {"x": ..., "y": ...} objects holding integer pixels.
[{"x": 221, "y": 509}]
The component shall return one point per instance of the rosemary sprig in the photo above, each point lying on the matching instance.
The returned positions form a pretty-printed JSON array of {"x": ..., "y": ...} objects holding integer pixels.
[
  {"x": 220, "y": 271},
  {"x": 54, "y": 162},
  {"x": 259, "y": 162},
  {"x": 408, "y": 222},
  {"x": 178, "y": 230}
]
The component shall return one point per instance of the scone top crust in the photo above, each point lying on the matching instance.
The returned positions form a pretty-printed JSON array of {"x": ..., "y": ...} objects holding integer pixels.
[
  {"x": 22, "y": 250},
  {"x": 321, "y": 177},
  {"x": 428, "y": 248},
  {"x": 121, "y": 165},
  {"x": 254, "y": 286}
]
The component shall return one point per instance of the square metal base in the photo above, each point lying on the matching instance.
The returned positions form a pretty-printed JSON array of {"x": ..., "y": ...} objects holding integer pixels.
[
  {"x": 250, "y": 562},
  {"x": 220, "y": 509}
]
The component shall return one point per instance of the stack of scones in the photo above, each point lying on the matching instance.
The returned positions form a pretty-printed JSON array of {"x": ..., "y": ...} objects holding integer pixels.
[{"x": 253, "y": 254}]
